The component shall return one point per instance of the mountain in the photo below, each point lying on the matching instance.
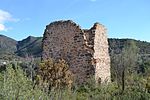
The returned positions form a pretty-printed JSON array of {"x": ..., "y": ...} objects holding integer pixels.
[
  {"x": 7, "y": 46},
  {"x": 32, "y": 46},
  {"x": 10, "y": 48},
  {"x": 117, "y": 45}
]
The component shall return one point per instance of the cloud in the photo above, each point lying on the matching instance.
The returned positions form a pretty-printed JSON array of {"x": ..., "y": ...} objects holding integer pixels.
[
  {"x": 5, "y": 17},
  {"x": 2, "y": 27}
]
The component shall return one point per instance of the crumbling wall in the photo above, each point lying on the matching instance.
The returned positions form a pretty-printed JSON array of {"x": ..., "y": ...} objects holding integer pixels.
[
  {"x": 101, "y": 54},
  {"x": 85, "y": 51}
]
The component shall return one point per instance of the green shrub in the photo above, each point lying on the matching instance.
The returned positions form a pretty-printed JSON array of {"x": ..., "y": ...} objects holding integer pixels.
[
  {"x": 15, "y": 85},
  {"x": 54, "y": 75}
]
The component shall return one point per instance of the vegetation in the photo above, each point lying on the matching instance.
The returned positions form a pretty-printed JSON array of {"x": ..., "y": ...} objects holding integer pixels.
[
  {"x": 14, "y": 84},
  {"x": 124, "y": 63},
  {"x": 49, "y": 80},
  {"x": 55, "y": 75},
  {"x": 117, "y": 45}
]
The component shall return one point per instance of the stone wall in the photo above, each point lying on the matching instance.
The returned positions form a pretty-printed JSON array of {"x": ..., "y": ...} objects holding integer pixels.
[{"x": 85, "y": 51}]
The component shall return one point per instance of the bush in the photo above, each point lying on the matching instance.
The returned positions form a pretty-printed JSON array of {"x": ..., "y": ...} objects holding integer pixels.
[
  {"x": 15, "y": 85},
  {"x": 54, "y": 75}
]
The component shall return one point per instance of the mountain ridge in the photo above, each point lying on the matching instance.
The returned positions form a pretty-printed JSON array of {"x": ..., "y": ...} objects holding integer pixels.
[{"x": 32, "y": 46}]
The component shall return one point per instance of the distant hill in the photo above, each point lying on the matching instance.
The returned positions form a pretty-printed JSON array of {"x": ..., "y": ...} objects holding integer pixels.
[
  {"x": 32, "y": 46},
  {"x": 7, "y": 46},
  {"x": 117, "y": 45}
]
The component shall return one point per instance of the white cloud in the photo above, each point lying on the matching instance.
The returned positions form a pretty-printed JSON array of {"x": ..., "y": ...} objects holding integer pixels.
[
  {"x": 5, "y": 17},
  {"x": 2, "y": 27}
]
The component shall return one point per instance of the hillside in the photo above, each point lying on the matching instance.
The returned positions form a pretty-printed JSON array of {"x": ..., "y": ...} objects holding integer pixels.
[
  {"x": 10, "y": 48},
  {"x": 116, "y": 45},
  {"x": 7, "y": 46},
  {"x": 31, "y": 46}
]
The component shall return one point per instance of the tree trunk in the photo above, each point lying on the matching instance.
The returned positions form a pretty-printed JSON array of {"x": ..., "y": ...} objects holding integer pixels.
[{"x": 123, "y": 80}]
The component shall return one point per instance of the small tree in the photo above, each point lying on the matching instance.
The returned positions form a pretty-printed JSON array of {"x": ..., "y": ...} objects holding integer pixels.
[
  {"x": 125, "y": 62},
  {"x": 14, "y": 85},
  {"x": 54, "y": 75}
]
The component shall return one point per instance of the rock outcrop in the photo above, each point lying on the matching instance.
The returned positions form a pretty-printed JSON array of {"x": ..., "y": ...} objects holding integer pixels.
[{"x": 85, "y": 51}]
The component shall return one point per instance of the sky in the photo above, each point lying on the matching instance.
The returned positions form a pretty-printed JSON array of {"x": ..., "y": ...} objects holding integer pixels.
[{"x": 122, "y": 18}]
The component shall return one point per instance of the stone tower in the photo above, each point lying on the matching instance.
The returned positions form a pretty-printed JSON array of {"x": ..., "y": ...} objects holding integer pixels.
[{"x": 85, "y": 51}]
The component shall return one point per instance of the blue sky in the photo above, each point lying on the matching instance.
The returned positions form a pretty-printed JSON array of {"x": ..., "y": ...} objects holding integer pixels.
[{"x": 123, "y": 18}]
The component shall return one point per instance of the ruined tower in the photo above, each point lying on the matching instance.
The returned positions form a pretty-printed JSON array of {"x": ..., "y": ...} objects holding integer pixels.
[{"x": 85, "y": 51}]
